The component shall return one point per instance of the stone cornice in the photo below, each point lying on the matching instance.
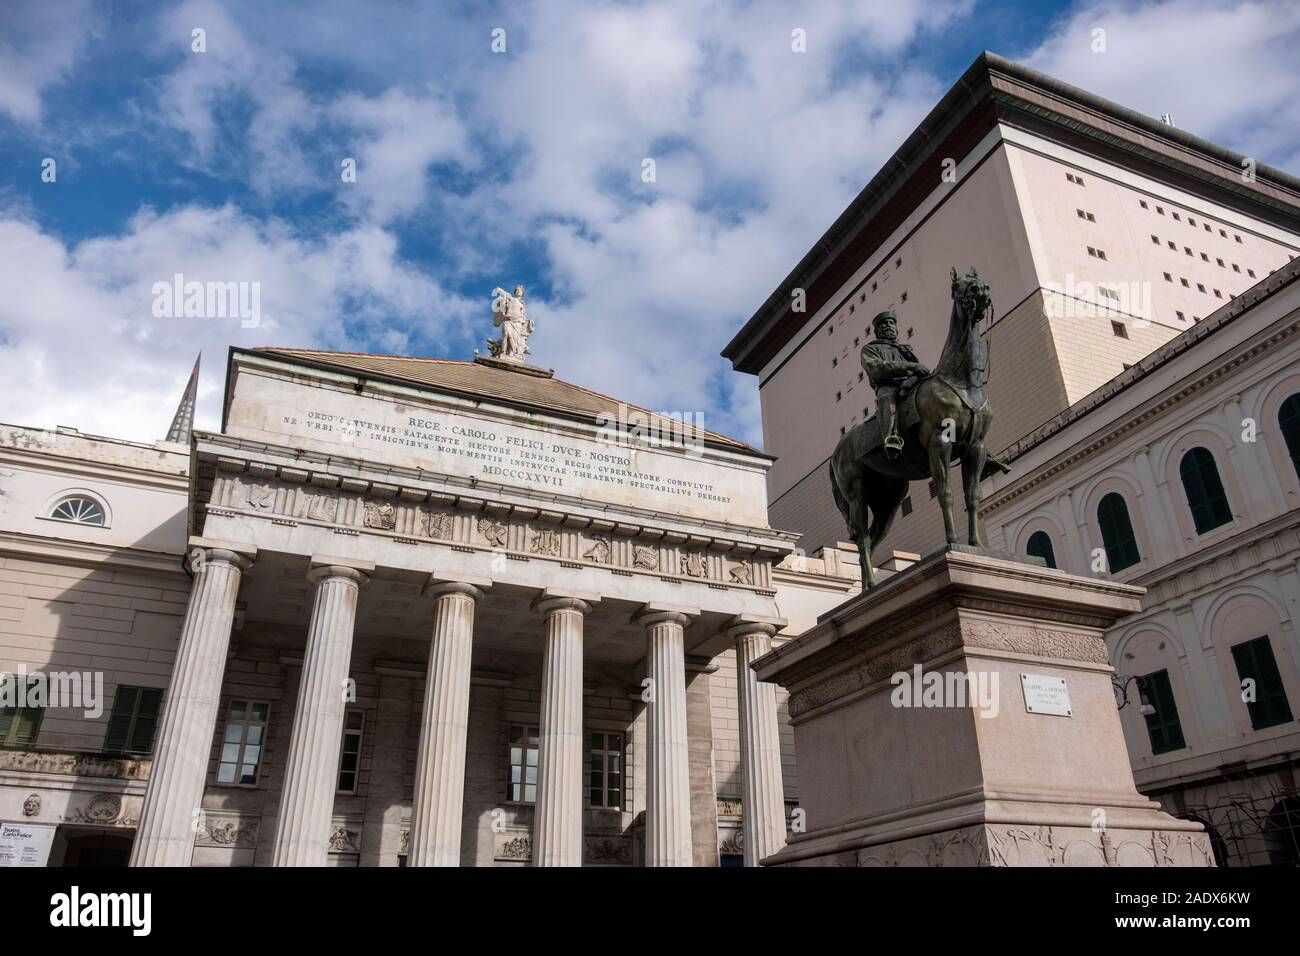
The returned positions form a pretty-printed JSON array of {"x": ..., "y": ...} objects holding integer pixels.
[
  {"x": 234, "y": 455},
  {"x": 409, "y": 515},
  {"x": 66, "y": 551}
]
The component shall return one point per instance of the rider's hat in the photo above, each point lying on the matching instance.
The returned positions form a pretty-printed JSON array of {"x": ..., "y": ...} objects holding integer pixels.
[{"x": 880, "y": 317}]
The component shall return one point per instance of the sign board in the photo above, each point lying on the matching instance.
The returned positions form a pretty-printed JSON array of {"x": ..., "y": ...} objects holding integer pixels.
[
  {"x": 1045, "y": 695},
  {"x": 519, "y": 450},
  {"x": 25, "y": 844}
]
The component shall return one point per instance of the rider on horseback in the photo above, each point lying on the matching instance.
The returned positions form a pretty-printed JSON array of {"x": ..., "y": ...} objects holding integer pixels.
[{"x": 894, "y": 371}]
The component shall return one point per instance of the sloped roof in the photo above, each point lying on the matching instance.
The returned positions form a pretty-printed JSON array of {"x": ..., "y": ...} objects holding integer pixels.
[{"x": 528, "y": 386}]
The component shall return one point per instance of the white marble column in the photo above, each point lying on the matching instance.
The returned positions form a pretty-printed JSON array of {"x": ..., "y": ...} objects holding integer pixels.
[
  {"x": 668, "y": 791},
  {"x": 557, "y": 826},
  {"x": 170, "y": 817},
  {"x": 762, "y": 794},
  {"x": 440, "y": 765},
  {"x": 312, "y": 771}
]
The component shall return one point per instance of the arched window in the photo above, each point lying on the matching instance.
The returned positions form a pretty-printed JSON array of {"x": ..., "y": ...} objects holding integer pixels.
[
  {"x": 1288, "y": 419},
  {"x": 1117, "y": 533},
  {"x": 79, "y": 510},
  {"x": 1205, "y": 494},
  {"x": 1040, "y": 546},
  {"x": 1282, "y": 833}
]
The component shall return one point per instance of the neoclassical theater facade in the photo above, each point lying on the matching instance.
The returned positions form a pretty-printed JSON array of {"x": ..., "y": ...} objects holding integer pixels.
[{"x": 402, "y": 611}]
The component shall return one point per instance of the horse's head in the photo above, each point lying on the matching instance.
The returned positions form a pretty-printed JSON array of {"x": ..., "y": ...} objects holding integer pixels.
[{"x": 971, "y": 295}]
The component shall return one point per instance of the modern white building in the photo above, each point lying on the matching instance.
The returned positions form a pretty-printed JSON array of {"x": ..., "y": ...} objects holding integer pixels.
[{"x": 1143, "y": 388}]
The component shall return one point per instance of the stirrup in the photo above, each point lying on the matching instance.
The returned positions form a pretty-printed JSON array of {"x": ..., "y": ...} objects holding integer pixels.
[{"x": 893, "y": 444}]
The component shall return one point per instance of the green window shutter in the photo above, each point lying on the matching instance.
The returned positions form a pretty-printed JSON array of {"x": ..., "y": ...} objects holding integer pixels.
[
  {"x": 119, "y": 723},
  {"x": 7, "y": 722},
  {"x": 146, "y": 720},
  {"x": 1255, "y": 661}
]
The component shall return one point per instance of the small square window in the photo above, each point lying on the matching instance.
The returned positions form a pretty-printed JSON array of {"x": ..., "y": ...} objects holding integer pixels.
[
  {"x": 898, "y": 263},
  {"x": 1142, "y": 203},
  {"x": 1223, "y": 233},
  {"x": 1207, "y": 227},
  {"x": 1218, "y": 294},
  {"x": 1168, "y": 277},
  {"x": 1251, "y": 273},
  {"x": 1118, "y": 329},
  {"x": 838, "y": 396},
  {"x": 1186, "y": 284},
  {"x": 835, "y": 360},
  {"x": 1187, "y": 249},
  {"x": 903, "y": 297},
  {"x": 1220, "y": 262},
  {"x": 851, "y": 307},
  {"x": 1177, "y": 217},
  {"x": 1204, "y": 257},
  {"x": 1237, "y": 237},
  {"x": 1156, "y": 240},
  {"x": 1200, "y": 286},
  {"x": 1173, "y": 246},
  {"x": 1235, "y": 267},
  {"x": 1160, "y": 209},
  {"x": 1191, "y": 221},
  {"x": 1181, "y": 317}
]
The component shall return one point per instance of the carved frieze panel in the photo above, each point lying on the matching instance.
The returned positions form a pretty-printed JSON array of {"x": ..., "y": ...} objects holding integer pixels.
[
  {"x": 380, "y": 515},
  {"x": 77, "y": 765},
  {"x": 227, "y": 832},
  {"x": 597, "y": 549},
  {"x": 493, "y": 531},
  {"x": 439, "y": 525},
  {"x": 545, "y": 541},
  {"x": 514, "y": 847}
]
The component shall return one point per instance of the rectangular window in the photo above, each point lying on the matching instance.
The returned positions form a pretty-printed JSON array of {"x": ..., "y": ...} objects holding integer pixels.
[
  {"x": 19, "y": 726},
  {"x": 1181, "y": 317},
  {"x": 1163, "y": 725},
  {"x": 606, "y": 785},
  {"x": 242, "y": 743},
  {"x": 1177, "y": 217},
  {"x": 1255, "y": 663},
  {"x": 1118, "y": 329},
  {"x": 1142, "y": 203},
  {"x": 1156, "y": 240},
  {"x": 522, "y": 781},
  {"x": 134, "y": 717},
  {"x": 354, "y": 725}
]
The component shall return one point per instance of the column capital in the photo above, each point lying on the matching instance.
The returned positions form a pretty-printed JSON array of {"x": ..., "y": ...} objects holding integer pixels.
[
  {"x": 745, "y": 624},
  {"x": 319, "y": 572},
  {"x": 651, "y": 614},
  {"x": 234, "y": 553},
  {"x": 560, "y": 599},
  {"x": 470, "y": 587}
]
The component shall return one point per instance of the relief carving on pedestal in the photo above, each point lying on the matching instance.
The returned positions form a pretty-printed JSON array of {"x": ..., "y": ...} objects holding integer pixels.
[
  {"x": 607, "y": 850},
  {"x": 545, "y": 541},
  {"x": 493, "y": 531},
  {"x": 438, "y": 524},
  {"x": 598, "y": 550},
  {"x": 381, "y": 516}
]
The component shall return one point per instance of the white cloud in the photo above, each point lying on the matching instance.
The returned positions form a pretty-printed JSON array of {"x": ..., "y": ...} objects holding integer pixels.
[
  {"x": 81, "y": 345},
  {"x": 39, "y": 43},
  {"x": 1226, "y": 71}
]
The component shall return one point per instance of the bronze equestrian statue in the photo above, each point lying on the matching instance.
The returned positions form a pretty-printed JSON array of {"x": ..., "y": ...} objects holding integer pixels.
[{"x": 925, "y": 421}]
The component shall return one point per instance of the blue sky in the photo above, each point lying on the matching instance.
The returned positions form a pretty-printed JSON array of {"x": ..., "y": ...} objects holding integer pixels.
[{"x": 478, "y": 168}]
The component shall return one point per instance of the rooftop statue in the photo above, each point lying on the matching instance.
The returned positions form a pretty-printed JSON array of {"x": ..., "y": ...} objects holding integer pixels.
[
  {"x": 511, "y": 316},
  {"x": 925, "y": 421}
]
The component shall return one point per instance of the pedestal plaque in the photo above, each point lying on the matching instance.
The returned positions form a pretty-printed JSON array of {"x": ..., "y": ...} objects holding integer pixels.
[{"x": 1014, "y": 758}]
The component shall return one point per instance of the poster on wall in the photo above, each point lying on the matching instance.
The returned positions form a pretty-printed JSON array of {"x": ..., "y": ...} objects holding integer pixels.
[{"x": 25, "y": 844}]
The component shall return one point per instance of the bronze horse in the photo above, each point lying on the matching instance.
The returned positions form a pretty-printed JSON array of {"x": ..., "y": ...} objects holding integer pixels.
[{"x": 944, "y": 418}]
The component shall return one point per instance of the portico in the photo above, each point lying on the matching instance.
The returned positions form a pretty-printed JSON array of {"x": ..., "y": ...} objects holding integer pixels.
[{"x": 505, "y": 673}]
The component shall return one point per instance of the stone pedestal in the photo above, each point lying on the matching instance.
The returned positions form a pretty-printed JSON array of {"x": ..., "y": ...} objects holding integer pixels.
[{"x": 987, "y": 759}]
